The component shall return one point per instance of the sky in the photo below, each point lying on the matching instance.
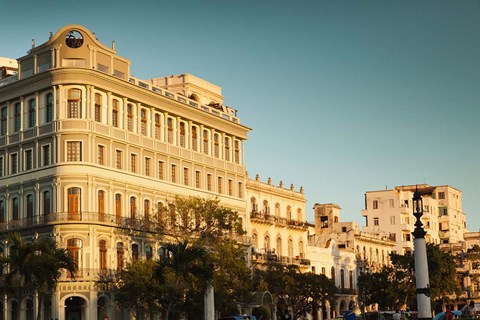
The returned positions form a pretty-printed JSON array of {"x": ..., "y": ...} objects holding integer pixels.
[{"x": 343, "y": 97}]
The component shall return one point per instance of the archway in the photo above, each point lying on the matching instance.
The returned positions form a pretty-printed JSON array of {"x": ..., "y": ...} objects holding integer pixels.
[
  {"x": 29, "y": 310},
  {"x": 75, "y": 308},
  {"x": 102, "y": 307}
]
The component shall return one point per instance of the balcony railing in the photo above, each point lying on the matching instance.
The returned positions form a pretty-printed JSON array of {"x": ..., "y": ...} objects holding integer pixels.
[
  {"x": 272, "y": 219},
  {"x": 272, "y": 257}
]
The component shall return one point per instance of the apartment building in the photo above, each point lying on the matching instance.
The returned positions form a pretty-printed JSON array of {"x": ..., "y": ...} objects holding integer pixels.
[
  {"x": 87, "y": 152},
  {"x": 389, "y": 213}
]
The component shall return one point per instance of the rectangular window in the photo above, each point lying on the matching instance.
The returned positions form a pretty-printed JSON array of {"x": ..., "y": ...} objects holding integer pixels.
[
  {"x": 14, "y": 163},
  {"x": 18, "y": 116},
  {"x": 49, "y": 107},
  {"x": 100, "y": 155},
  {"x": 74, "y": 151},
  {"x": 375, "y": 204},
  {"x": 375, "y": 221},
  {"x": 240, "y": 190},
  {"x": 209, "y": 182},
  {"x": 197, "y": 179},
  {"x": 160, "y": 170},
  {"x": 392, "y": 220},
  {"x": 185, "y": 176},
  {"x": 46, "y": 155},
  {"x": 1, "y": 166},
  {"x": 133, "y": 163},
  {"x": 230, "y": 187},
  {"x": 173, "y": 173},
  {"x": 441, "y": 195},
  {"x": 3, "y": 120},
  {"x": 391, "y": 203},
  {"x": 118, "y": 159},
  {"x": 219, "y": 184},
  {"x": 147, "y": 166},
  {"x": 28, "y": 160}
]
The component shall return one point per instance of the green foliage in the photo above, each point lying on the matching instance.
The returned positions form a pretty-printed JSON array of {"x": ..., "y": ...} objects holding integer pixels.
[
  {"x": 295, "y": 292},
  {"x": 139, "y": 289},
  {"x": 33, "y": 266},
  {"x": 261, "y": 313},
  {"x": 395, "y": 285}
]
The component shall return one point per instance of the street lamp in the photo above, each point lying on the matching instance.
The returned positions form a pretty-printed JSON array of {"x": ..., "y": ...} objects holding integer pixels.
[{"x": 421, "y": 261}]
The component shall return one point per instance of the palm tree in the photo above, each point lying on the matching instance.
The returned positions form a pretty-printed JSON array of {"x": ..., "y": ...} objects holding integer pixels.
[
  {"x": 34, "y": 266},
  {"x": 180, "y": 266}
]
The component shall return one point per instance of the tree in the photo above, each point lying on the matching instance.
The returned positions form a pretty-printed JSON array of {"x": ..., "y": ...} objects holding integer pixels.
[
  {"x": 140, "y": 289},
  {"x": 395, "y": 286},
  {"x": 34, "y": 266},
  {"x": 301, "y": 293},
  {"x": 180, "y": 267}
]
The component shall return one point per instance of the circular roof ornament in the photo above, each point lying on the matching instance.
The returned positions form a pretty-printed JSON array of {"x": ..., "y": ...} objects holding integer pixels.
[{"x": 74, "y": 39}]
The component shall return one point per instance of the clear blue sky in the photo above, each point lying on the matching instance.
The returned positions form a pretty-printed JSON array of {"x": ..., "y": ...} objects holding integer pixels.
[{"x": 343, "y": 96}]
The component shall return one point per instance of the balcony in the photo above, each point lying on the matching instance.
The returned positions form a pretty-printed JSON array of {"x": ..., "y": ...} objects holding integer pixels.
[
  {"x": 270, "y": 256},
  {"x": 265, "y": 218}
]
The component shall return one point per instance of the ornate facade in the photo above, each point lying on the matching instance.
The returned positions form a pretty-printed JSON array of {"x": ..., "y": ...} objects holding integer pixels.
[{"x": 87, "y": 152}]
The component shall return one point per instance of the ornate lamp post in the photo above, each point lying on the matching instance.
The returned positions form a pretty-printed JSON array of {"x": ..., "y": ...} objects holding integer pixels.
[{"x": 421, "y": 262}]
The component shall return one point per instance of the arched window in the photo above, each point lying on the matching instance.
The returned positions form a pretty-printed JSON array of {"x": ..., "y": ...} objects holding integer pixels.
[
  {"x": 301, "y": 250},
  {"x": 290, "y": 248},
  {"x": 227, "y": 149},
  {"x": 32, "y": 115},
  {"x": 98, "y": 107},
  {"x": 194, "y": 139},
  {"x": 30, "y": 209},
  {"x": 157, "y": 126},
  {"x": 279, "y": 247},
  {"x": 160, "y": 211},
  {"x": 118, "y": 208},
  {"x": 74, "y": 103},
  {"x": 130, "y": 117},
  {"x": 182, "y": 134},
  {"x": 133, "y": 209},
  {"x": 333, "y": 274},
  {"x": 73, "y": 203},
  {"x": 299, "y": 214},
  {"x": 74, "y": 248},
  {"x": 169, "y": 130},
  {"x": 255, "y": 239},
  {"x": 102, "y": 245},
  {"x": 115, "y": 113},
  {"x": 277, "y": 210},
  {"x": 266, "y": 241},
  {"x": 289, "y": 213},
  {"x": 205, "y": 141},
  {"x": 237, "y": 152},
  {"x": 101, "y": 205},
  {"x": 143, "y": 127},
  {"x": 49, "y": 107},
  {"x": 15, "y": 209},
  {"x": 253, "y": 201},
  {"x": 266, "y": 207},
  {"x": 350, "y": 279},
  {"x": 120, "y": 256},
  {"x": 216, "y": 145}
]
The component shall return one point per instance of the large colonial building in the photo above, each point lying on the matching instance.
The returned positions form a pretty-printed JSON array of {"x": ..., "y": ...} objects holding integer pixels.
[{"x": 87, "y": 152}]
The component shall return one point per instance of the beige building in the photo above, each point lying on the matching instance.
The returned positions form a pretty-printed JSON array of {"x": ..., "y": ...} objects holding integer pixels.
[
  {"x": 389, "y": 213},
  {"x": 87, "y": 152},
  {"x": 278, "y": 226}
]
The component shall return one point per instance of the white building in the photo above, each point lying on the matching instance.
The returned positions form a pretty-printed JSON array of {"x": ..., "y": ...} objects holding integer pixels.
[
  {"x": 390, "y": 213},
  {"x": 87, "y": 151}
]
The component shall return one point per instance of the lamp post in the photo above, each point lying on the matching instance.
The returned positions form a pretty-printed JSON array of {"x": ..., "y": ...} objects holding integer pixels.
[{"x": 421, "y": 261}]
